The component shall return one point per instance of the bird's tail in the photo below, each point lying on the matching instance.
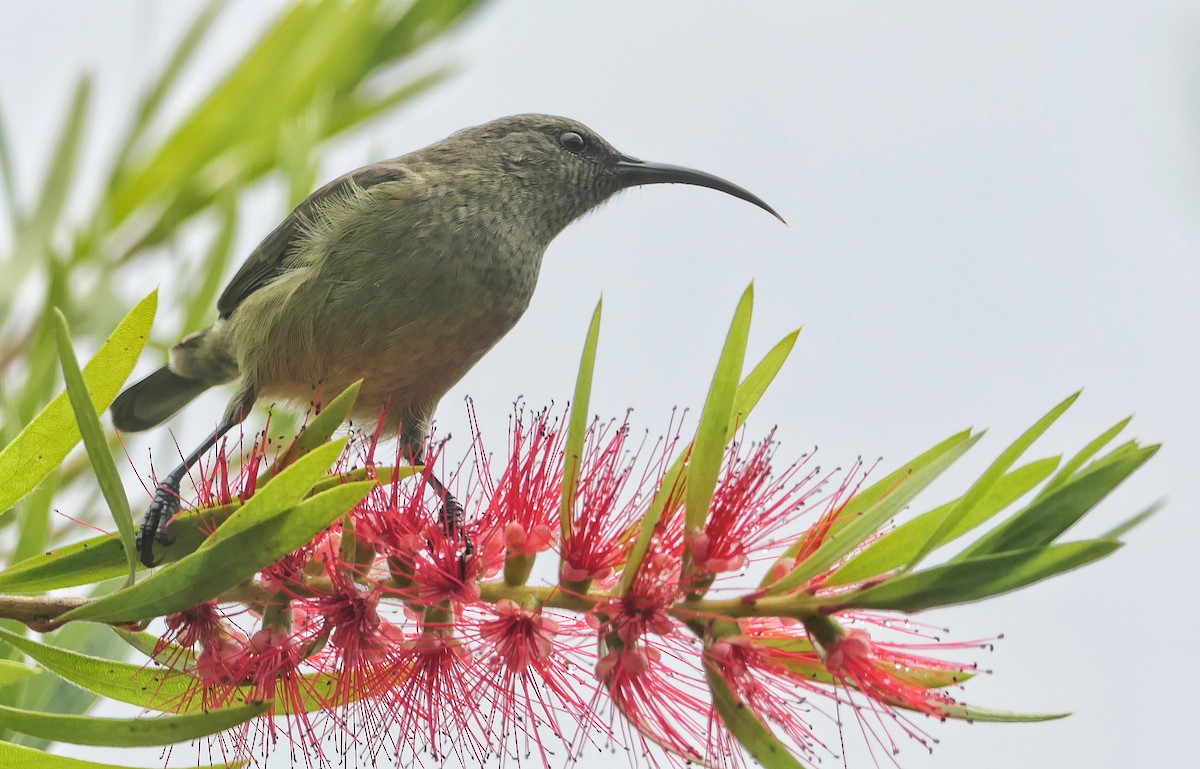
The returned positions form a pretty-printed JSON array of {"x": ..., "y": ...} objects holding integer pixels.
[{"x": 153, "y": 400}]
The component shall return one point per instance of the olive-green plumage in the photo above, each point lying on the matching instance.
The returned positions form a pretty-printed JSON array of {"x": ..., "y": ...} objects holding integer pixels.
[{"x": 402, "y": 274}]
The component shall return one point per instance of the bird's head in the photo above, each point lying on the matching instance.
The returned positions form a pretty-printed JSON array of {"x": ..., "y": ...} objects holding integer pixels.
[{"x": 565, "y": 168}]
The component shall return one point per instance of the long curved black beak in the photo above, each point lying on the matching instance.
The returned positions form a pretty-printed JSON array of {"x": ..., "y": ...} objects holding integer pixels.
[{"x": 633, "y": 172}]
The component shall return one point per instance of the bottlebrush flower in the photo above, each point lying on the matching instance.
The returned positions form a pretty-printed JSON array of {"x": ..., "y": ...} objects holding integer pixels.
[
  {"x": 524, "y": 502},
  {"x": 605, "y": 509},
  {"x": 535, "y": 671},
  {"x": 406, "y": 643}
]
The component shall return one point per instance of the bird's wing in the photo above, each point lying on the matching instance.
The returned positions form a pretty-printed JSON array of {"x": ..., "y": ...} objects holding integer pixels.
[{"x": 268, "y": 261}]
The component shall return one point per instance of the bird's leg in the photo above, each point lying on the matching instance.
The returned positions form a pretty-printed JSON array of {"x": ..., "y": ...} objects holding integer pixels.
[
  {"x": 166, "y": 496},
  {"x": 450, "y": 517}
]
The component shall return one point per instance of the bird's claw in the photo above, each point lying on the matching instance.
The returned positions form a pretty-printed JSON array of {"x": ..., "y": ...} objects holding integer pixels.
[
  {"x": 154, "y": 525},
  {"x": 452, "y": 518}
]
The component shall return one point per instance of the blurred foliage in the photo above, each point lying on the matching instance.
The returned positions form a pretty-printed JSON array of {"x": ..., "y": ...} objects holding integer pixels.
[{"x": 318, "y": 70}]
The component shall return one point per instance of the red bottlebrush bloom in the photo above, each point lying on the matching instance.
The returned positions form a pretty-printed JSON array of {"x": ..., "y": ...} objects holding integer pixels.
[
  {"x": 656, "y": 686},
  {"x": 888, "y": 672},
  {"x": 652, "y": 666},
  {"x": 532, "y": 661},
  {"x": 380, "y": 625},
  {"x": 524, "y": 503},
  {"x": 771, "y": 680},
  {"x": 433, "y": 700},
  {"x": 605, "y": 512},
  {"x": 219, "y": 484},
  {"x": 232, "y": 669},
  {"x": 750, "y": 506},
  {"x": 199, "y": 624},
  {"x": 773, "y": 657},
  {"x": 359, "y": 640}
]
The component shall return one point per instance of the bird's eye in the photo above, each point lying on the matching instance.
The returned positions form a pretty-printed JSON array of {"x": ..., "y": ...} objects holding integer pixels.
[{"x": 571, "y": 141}]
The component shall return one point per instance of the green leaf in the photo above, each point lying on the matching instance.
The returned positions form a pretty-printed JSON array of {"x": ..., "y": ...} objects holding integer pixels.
[
  {"x": 8, "y": 179},
  {"x": 746, "y": 398},
  {"x": 126, "y": 732},
  {"x": 990, "y": 477},
  {"x": 88, "y": 421},
  {"x": 899, "y": 546},
  {"x": 1123, "y": 528},
  {"x": 747, "y": 728},
  {"x": 222, "y": 564},
  {"x": 979, "y": 577},
  {"x": 281, "y": 493},
  {"x": 241, "y": 547},
  {"x": 170, "y": 655},
  {"x": 36, "y": 512},
  {"x": 157, "y": 689},
  {"x": 712, "y": 434},
  {"x": 12, "y": 672},
  {"x": 103, "y": 557},
  {"x": 986, "y": 715},
  {"x": 317, "y": 432},
  {"x": 577, "y": 428},
  {"x": 35, "y": 234},
  {"x": 28, "y": 758},
  {"x": 319, "y": 51},
  {"x": 858, "y": 529},
  {"x": 759, "y": 379},
  {"x": 45, "y": 441},
  {"x": 865, "y": 498},
  {"x": 1045, "y": 519},
  {"x": 165, "y": 81},
  {"x": 199, "y": 293},
  {"x": 134, "y": 684},
  {"x": 1087, "y": 452}
]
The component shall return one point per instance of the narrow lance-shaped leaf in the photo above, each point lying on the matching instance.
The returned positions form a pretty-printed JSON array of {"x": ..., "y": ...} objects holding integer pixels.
[
  {"x": 265, "y": 529},
  {"x": 746, "y": 398},
  {"x": 29, "y": 758},
  {"x": 977, "y": 578},
  {"x": 712, "y": 434},
  {"x": 759, "y": 379},
  {"x": 45, "y": 441},
  {"x": 1048, "y": 517},
  {"x": 207, "y": 573},
  {"x": 134, "y": 684},
  {"x": 898, "y": 546},
  {"x": 164, "y": 82},
  {"x": 100, "y": 558},
  {"x": 126, "y": 732},
  {"x": 88, "y": 422},
  {"x": 59, "y": 181},
  {"x": 317, "y": 431},
  {"x": 157, "y": 689},
  {"x": 199, "y": 294},
  {"x": 975, "y": 713},
  {"x": 12, "y": 672},
  {"x": 1123, "y": 528},
  {"x": 37, "y": 516},
  {"x": 8, "y": 179},
  {"x": 1087, "y": 452},
  {"x": 860, "y": 528},
  {"x": 747, "y": 728},
  {"x": 865, "y": 498},
  {"x": 990, "y": 477},
  {"x": 577, "y": 428}
]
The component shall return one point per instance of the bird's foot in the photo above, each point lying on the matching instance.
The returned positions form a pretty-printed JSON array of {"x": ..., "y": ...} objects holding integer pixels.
[
  {"x": 154, "y": 524},
  {"x": 451, "y": 516}
]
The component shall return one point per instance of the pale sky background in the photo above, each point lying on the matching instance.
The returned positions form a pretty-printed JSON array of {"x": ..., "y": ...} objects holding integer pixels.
[{"x": 992, "y": 204}]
